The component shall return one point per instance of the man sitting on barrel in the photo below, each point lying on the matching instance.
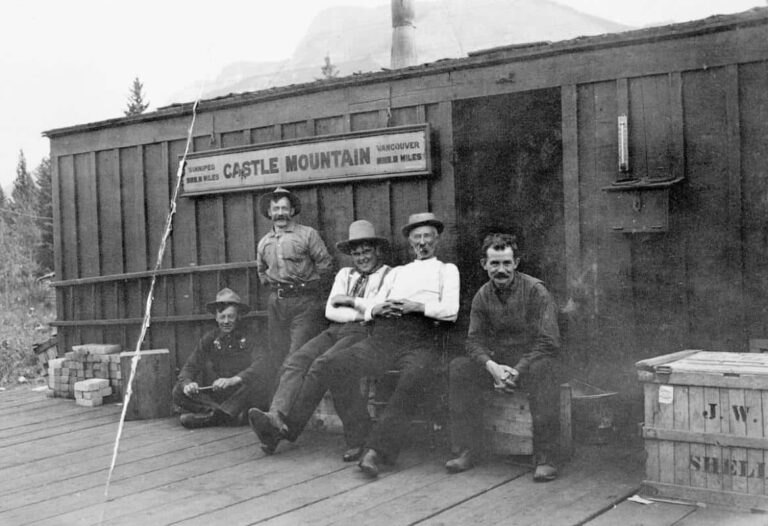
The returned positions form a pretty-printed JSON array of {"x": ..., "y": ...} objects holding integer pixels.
[
  {"x": 352, "y": 291},
  {"x": 219, "y": 381},
  {"x": 513, "y": 342}
]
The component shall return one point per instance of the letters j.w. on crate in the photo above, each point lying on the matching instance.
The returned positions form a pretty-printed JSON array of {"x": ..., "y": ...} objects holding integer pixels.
[{"x": 706, "y": 427}]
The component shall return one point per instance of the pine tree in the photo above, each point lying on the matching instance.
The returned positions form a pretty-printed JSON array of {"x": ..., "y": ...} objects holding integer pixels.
[
  {"x": 24, "y": 189},
  {"x": 136, "y": 104},
  {"x": 329, "y": 70},
  {"x": 44, "y": 212}
]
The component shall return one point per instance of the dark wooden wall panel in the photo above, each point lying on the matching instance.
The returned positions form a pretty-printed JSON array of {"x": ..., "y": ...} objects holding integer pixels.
[
  {"x": 110, "y": 238},
  {"x": 68, "y": 218},
  {"x": 132, "y": 197},
  {"x": 337, "y": 212},
  {"x": 753, "y": 79},
  {"x": 238, "y": 227},
  {"x": 585, "y": 288},
  {"x": 329, "y": 125},
  {"x": 156, "y": 175},
  {"x": 87, "y": 215},
  {"x": 183, "y": 240},
  {"x": 710, "y": 272},
  {"x": 442, "y": 182}
]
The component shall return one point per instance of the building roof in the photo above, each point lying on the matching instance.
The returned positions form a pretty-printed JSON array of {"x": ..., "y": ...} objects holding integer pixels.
[{"x": 503, "y": 54}]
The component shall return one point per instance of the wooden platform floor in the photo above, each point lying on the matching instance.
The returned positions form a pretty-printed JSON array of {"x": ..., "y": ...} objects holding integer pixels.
[{"x": 54, "y": 458}]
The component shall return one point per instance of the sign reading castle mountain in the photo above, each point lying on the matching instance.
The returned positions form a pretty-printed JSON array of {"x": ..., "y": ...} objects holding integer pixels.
[{"x": 388, "y": 152}]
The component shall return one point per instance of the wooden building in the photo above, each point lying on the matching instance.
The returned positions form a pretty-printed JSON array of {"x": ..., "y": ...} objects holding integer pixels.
[{"x": 665, "y": 252}]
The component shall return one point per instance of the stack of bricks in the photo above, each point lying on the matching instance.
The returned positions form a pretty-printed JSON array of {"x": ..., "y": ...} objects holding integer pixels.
[
  {"x": 86, "y": 362},
  {"x": 91, "y": 393}
]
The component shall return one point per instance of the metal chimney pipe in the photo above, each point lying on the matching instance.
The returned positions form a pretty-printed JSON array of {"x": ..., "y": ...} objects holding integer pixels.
[{"x": 403, "y": 34}]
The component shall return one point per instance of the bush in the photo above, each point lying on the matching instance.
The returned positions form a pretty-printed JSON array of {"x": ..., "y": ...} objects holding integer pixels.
[{"x": 24, "y": 316}]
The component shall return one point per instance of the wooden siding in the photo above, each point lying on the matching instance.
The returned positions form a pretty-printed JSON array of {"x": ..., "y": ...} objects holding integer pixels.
[
  {"x": 214, "y": 237},
  {"x": 697, "y": 109}
]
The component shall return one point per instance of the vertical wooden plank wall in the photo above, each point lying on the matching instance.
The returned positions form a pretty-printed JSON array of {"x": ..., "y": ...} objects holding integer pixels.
[{"x": 133, "y": 185}]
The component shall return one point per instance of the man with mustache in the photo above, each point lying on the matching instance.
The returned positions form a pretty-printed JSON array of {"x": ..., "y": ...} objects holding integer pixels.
[
  {"x": 352, "y": 291},
  {"x": 293, "y": 262},
  {"x": 513, "y": 342},
  {"x": 407, "y": 310},
  {"x": 218, "y": 381}
]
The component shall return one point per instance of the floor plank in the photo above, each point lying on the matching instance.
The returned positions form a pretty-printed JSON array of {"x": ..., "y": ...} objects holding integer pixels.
[
  {"x": 54, "y": 458},
  {"x": 635, "y": 514}
]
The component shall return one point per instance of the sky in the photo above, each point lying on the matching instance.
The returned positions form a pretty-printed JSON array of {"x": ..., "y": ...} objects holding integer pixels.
[{"x": 69, "y": 62}]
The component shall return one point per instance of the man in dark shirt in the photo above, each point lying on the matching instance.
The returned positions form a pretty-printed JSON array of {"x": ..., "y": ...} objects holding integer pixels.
[
  {"x": 218, "y": 383},
  {"x": 513, "y": 342}
]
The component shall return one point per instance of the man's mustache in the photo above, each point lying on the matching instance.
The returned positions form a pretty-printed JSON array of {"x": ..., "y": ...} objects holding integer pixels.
[{"x": 280, "y": 216}]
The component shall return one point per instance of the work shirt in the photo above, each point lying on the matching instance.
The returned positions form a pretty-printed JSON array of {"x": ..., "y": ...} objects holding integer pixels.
[
  {"x": 219, "y": 355},
  {"x": 427, "y": 281},
  {"x": 295, "y": 255},
  {"x": 344, "y": 284},
  {"x": 520, "y": 322}
]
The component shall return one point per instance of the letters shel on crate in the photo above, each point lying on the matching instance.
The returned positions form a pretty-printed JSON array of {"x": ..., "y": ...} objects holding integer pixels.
[{"x": 706, "y": 427}]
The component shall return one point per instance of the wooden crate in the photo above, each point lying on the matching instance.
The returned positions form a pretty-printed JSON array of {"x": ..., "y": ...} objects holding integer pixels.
[
  {"x": 152, "y": 384},
  {"x": 706, "y": 427},
  {"x": 507, "y": 423}
]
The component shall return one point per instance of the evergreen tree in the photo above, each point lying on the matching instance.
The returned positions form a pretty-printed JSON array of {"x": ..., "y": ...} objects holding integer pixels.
[
  {"x": 23, "y": 186},
  {"x": 136, "y": 104},
  {"x": 22, "y": 235},
  {"x": 329, "y": 70},
  {"x": 44, "y": 212}
]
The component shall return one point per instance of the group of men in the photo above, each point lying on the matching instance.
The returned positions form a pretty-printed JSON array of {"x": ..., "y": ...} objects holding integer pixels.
[{"x": 375, "y": 319}]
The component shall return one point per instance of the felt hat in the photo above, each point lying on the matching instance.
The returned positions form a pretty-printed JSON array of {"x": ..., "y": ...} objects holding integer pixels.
[
  {"x": 421, "y": 219},
  {"x": 226, "y": 297},
  {"x": 361, "y": 231},
  {"x": 276, "y": 194}
]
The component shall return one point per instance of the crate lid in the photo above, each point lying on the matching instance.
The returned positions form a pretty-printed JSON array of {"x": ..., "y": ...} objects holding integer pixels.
[{"x": 707, "y": 368}]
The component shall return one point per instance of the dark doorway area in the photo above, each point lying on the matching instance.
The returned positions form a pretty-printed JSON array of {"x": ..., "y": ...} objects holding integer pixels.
[{"x": 509, "y": 178}]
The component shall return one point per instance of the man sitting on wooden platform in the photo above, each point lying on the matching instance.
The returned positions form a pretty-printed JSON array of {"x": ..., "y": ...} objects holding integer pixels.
[
  {"x": 513, "y": 321},
  {"x": 219, "y": 381},
  {"x": 352, "y": 289}
]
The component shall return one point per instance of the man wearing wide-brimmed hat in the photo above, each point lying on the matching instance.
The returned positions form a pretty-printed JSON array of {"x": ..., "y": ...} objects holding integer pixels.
[
  {"x": 407, "y": 312},
  {"x": 299, "y": 391},
  {"x": 293, "y": 262},
  {"x": 218, "y": 382}
]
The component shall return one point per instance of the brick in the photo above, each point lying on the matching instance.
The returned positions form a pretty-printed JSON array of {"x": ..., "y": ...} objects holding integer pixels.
[
  {"x": 93, "y": 384},
  {"x": 94, "y": 402}
]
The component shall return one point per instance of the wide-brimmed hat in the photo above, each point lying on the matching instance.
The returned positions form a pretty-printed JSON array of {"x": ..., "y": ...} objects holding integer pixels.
[
  {"x": 276, "y": 194},
  {"x": 224, "y": 297},
  {"x": 421, "y": 219},
  {"x": 361, "y": 231}
]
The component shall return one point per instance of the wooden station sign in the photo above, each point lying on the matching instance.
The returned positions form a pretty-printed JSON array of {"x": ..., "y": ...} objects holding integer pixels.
[{"x": 387, "y": 152}]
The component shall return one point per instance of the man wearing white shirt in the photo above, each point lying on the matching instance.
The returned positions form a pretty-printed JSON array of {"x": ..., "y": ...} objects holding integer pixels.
[
  {"x": 407, "y": 310},
  {"x": 353, "y": 289}
]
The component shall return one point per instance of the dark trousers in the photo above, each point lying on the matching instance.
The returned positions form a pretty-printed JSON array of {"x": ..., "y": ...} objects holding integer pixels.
[
  {"x": 292, "y": 322},
  {"x": 299, "y": 379},
  {"x": 406, "y": 344},
  {"x": 232, "y": 401},
  {"x": 467, "y": 382}
]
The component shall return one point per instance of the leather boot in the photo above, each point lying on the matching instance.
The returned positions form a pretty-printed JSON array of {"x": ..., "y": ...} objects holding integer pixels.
[
  {"x": 546, "y": 470},
  {"x": 369, "y": 463},
  {"x": 268, "y": 427},
  {"x": 461, "y": 463}
]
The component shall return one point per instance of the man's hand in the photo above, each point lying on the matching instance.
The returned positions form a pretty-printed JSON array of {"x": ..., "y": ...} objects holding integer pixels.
[
  {"x": 342, "y": 300},
  {"x": 191, "y": 389},
  {"x": 503, "y": 375},
  {"x": 224, "y": 383},
  {"x": 408, "y": 306},
  {"x": 388, "y": 309}
]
